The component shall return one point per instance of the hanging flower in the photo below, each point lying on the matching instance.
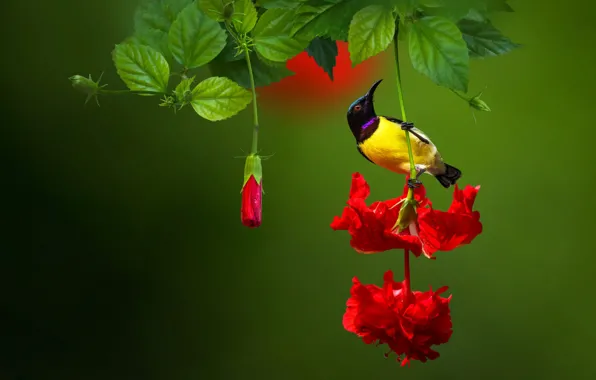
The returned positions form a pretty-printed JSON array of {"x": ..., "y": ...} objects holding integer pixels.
[
  {"x": 410, "y": 323},
  {"x": 372, "y": 228},
  {"x": 251, "y": 208}
]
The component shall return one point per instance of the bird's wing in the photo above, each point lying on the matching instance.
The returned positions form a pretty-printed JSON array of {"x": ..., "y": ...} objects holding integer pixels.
[
  {"x": 362, "y": 153},
  {"x": 415, "y": 131}
]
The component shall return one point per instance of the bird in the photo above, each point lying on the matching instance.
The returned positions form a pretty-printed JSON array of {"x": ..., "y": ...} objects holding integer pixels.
[{"x": 382, "y": 141}]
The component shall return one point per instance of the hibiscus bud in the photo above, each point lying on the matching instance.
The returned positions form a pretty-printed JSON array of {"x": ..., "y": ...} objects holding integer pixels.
[
  {"x": 87, "y": 86},
  {"x": 252, "y": 192},
  {"x": 407, "y": 215},
  {"x": 479, "y": 104},
  {"x": 228, "y": 10}
]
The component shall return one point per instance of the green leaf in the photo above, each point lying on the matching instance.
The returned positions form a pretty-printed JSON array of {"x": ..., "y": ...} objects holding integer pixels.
[
  {"x": 159, "y": 14},
  {"x": 153, "y": 19},
  {"x": 229, "y": 52},
  {"x": 213, "y": 8},
  {"x": 498, "y": 6},
  {"x": 183, "y": 92},
  {"x": 276, "y": 4},
  {"x": 484, "y": 40},
  {"x": 219, "y": 98},
  {"x": 141, "y": 67},
  {"x": 268, "y": 62},
  {"x": 371, "y": 32},
  {"x": 272, "y": 36},
  {"x": 245, "y": 16},
  {"x": 438, "y": 51},
  {"x": 450, "y": 9},
  {"x": 195, "y": 39},
  {"x": 327, "y": 20},
  {"x": 407, "y": 7},
  {"x": 324, "y": 52},
  {"x": 263, "y": 74}
]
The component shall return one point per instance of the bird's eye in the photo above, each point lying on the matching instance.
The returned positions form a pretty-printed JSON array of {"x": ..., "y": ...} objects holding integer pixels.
[{"x": 357, "y": 107}]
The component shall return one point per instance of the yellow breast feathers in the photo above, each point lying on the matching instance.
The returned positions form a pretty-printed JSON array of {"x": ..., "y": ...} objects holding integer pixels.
[{"x": 387, "y": 148}]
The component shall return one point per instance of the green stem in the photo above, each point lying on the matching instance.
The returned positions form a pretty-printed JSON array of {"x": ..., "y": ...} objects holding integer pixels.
[
  {"x": 403, "y": 111},
  {"x": 255, "y": 131},
  {"x": 122, "y": 92},
  {"x": 242, "y": 41},
  {"x": 460, "y": 95}
]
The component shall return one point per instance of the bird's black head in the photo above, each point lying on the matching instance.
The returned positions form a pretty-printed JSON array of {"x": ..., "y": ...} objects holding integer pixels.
[{"x": 362, "y": 111}]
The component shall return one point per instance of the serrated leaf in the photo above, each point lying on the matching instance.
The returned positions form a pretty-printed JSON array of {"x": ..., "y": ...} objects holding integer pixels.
[
  {"x": 437, "y": 50},
  {"x": 153, "y": 19},
  {"x": 484, "y": 40},
  {"x": 183, "y": 91},
  {"x": 371, "y": 32},
  {"x": 272, "y": 36},
  {"x": 327, "y": 20},
  {"x": 219, "y": 98},
  {"x": 245, "y": 16},
  {"x": 263, "y": 74},
  {"x": 214, "y": 9},
  {"x": 195, "y": 39},
  {"x": 268, "y": 62},
  {"x": 141, "y": 67},
  {"x": 280, "y": 48},
  {"x": 324, "y": 52}
]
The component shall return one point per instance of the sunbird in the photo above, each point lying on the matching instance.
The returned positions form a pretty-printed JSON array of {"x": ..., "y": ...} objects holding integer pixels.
[{"x": 382, "y": 141}]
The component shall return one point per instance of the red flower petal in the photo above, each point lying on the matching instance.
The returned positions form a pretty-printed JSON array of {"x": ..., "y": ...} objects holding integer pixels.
[
  {"x": 359, "y": 188},
  {"x": 251, "y": 208},
  {"x": 410, "y": 324},
  {"x": 372, "y": 227},
  {"x": 443, "y": 231},
  {"x": 463, "y": 200}
]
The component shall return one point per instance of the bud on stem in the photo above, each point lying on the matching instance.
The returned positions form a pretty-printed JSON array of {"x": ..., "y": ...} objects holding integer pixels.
[
  {"x": 87, "y": 86},
  {"x": 407, "y": 214},
  {"x": 252, "y": 192}
]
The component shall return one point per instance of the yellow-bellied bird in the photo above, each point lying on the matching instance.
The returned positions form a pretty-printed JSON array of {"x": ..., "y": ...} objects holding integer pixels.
[{"x": 382, "y": 141}]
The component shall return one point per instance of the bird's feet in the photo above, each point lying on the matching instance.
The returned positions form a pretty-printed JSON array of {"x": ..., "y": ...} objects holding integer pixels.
[
  {"x": 416, "y": 182},
  {"x": 409, "y": 126}
]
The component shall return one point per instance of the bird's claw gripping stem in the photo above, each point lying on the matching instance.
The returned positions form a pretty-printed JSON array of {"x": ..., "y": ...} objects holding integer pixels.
[
  {"x": 409, "y": 126},
  {"x": 416, "y": 182}
]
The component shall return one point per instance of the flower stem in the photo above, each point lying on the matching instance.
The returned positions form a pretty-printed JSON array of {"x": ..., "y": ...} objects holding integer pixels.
[
  {"x": 407, "y": 271},
  {"x": 403, "y": 111},
  {"x": 122, "y": 92},
  {"x": 243, "y": 43},
  {"x": 460, "y": 95},
  {"x": 255, "y": 131}
]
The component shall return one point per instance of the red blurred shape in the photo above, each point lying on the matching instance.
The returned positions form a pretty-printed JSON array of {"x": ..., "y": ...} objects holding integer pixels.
[{"x": 311, "y": 86}]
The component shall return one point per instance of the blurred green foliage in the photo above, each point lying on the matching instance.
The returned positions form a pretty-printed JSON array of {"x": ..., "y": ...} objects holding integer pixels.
[{"x": 123, "y": 256}]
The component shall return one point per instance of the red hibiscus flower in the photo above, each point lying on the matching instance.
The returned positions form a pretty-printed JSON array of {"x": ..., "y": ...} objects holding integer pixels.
[
  {"x": 251, "y": 208},
  {"x": 410, "y": 323},
  {"x": 372, "y": 227}
]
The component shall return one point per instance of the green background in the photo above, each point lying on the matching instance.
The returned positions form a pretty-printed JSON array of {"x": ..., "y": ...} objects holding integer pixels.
[{"x": 123, "y": 257}]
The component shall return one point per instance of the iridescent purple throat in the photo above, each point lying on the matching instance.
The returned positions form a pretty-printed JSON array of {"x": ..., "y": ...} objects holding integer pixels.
[{"x": 369, "y": 123}]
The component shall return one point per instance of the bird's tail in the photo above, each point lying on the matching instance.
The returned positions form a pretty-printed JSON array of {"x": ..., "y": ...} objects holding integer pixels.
[{"x": 450, "y": 176}]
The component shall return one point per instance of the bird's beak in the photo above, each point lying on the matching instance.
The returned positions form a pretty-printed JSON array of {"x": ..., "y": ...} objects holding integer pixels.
[{"x": 370, "y": 93}]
